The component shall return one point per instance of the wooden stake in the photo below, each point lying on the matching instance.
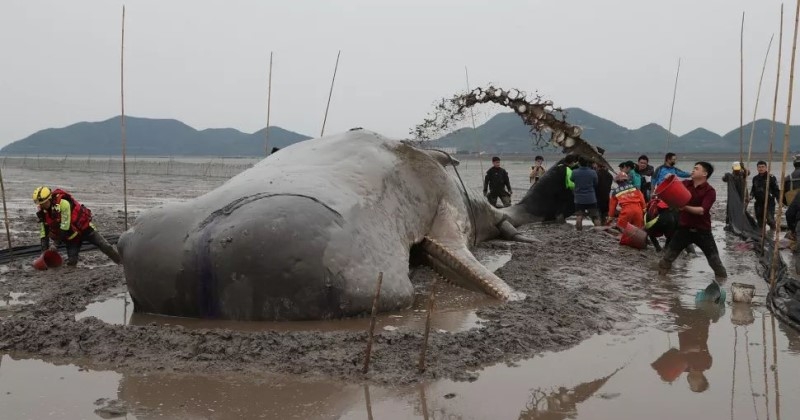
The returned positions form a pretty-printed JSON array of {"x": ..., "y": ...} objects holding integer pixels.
[
  {"x": 785, "y": 144},
  {"x": 5, "y": 212},
  {"x": 269, "y": 102},
  {"x": 472, "y": 115},
  {"x": 122, "y": 119},
  {"x": 772, "y": 140},
  {"x": 755, "y": 108},
  {"x": 324, "y": 120},
  {"x": 369, "y": 402},
  {"x": 427, "y": 328},
  {"x": 672, "y": 108},
  {"x": 372, "y": 323}
]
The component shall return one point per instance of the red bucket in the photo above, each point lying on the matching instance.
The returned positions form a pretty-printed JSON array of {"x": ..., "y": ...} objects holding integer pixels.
[
  {"x": 634, "y": 237},
  {"x": 48, "y": 259},
  {"x": 672, "y": 191}
]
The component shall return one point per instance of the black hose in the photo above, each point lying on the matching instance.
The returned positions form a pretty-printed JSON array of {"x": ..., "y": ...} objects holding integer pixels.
[{"x": 6, "y": 255}]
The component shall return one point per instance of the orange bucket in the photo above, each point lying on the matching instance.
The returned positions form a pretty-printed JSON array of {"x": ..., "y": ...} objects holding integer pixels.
[
  {"x": 672, "y": 191},
  {"x": 48, "y": 259},
  {"x": 634, "y": 237}
]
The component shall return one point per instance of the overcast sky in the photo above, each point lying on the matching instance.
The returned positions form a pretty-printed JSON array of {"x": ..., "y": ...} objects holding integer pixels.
[{"x": 206, "y": 62}]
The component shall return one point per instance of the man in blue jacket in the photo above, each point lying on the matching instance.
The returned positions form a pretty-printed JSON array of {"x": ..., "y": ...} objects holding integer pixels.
[
  {"x": 668, "y": 168},
  {"x": 586, "y": 180}
]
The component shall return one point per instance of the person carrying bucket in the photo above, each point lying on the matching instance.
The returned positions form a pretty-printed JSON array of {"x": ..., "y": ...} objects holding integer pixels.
[
  {"x": 694, "y": 221},
  {"x": 65, "y": 220},
  {"x": 632, "y": 206}
]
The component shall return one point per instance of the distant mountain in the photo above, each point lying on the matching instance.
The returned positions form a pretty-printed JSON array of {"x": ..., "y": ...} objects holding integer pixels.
[
  {"x": 506, "y": 133},
  {"x": 147, "y": 136}
]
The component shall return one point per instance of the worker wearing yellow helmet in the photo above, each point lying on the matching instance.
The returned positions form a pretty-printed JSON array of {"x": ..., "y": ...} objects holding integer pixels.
[{"x": 65, "y": 220}]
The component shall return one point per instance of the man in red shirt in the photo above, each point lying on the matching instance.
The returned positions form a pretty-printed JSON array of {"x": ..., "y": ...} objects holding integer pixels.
[{"x": 694, "y": 224}]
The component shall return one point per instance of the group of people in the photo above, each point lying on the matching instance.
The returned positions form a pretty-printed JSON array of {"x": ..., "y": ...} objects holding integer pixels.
[{"x": 632, "y": 201}]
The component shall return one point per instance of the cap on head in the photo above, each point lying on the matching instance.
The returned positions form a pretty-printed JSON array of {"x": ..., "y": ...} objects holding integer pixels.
[
  {"x": 736, "y": 166},
  {"x": 621, "y": 177},
  {"x": 41, "y": 194}
]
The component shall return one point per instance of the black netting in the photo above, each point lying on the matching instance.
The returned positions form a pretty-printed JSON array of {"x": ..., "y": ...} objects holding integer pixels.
[{"x": 784, "y": 299}]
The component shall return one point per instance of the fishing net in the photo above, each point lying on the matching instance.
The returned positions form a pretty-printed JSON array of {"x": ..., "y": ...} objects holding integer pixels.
[{"x": 784, "y": 299}]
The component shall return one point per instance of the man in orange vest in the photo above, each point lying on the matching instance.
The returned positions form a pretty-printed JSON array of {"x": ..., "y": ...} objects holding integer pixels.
[
  {"x": 65, "y": 220},
  {"x": 632, "y": 205}
]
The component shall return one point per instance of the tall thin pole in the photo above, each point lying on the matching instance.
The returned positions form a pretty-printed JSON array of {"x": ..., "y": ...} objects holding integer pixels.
[
  {"x": 785, "y": 143},
  {"x": 672, "y": 108},
  {"x": 472, "y": 115},
  {"x": 755, "y": 108},
  {"x": 5, "y": 212},
  {"x": 741, "y": 94},
  {"x": 772, "y": 132},
  {"x": 122, "y": 119},
  {"x": 322, "y": 133},
  {"x": 269, "y": 103}
]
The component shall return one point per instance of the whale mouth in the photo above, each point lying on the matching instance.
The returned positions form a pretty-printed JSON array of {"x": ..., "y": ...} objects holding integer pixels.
[{"x": 460, "y": 269}]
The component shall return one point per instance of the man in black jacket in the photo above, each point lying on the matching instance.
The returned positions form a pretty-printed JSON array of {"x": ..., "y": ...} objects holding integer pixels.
[
  {"x": 497, "y": 182},
  {"x": 762, "y": 183},
  {"x": 791, "y": 184},
  {"x": 603, "y": 190}
]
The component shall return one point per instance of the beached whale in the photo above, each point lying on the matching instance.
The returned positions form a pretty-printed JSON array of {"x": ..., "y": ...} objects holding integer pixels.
[{"x": 304, "y": 233}]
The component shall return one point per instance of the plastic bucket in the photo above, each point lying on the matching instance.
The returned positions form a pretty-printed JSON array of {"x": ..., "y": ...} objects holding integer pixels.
[
  {"x": 743, "y": 292},
  {"x": 672, "y": 191},
  {"x": 48, "y": 259},
  {"x": 634, "y": 237}
]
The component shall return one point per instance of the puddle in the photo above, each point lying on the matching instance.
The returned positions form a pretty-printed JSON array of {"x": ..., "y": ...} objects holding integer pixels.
[
  {"x": 708, "y": 365},
  {"x": 495, "y": 261},
  {"x": 454, "y": 311},
  {"x": 13, "y": 299},
  {"x": 116, "y": 310},
  {"x": 32, "y": 389}
]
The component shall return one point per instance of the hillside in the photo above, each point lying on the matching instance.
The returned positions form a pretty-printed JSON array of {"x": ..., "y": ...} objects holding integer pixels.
[
  {"x": 505, "y": 133},
  {"x": 147, "y": 136}
]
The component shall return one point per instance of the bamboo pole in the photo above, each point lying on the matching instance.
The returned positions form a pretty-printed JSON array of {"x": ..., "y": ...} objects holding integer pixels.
[
  {"x": 5, "y": 213},
  {"x": 427, "y": 328},
  {"x": 122, "y": 119},
  {"x": 368, "y": 401},
  {"x": 472, "y": 115},
  {"x": 764, "y": 362},
  {"x": 741, "y": 94},
  {"x": 672, "y": 108},
  {"x": 372, "y": 323},
  {"x": 775, "y": 359},
  {"x": 772, "y": 137},
  {"x": 269, "y": 103},
  {"x": 335, "y": 68},
  {"x": 785, "y": 144},
  {"x": 755, "y": 108}
]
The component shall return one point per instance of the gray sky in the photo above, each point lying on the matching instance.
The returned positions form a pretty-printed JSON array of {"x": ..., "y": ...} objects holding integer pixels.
[{"x": 206, "y": 62}]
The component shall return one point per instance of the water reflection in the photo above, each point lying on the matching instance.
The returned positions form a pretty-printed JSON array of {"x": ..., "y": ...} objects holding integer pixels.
[
  {"x": 692, "y": 355},
  {"x": 562, "y": 403}
]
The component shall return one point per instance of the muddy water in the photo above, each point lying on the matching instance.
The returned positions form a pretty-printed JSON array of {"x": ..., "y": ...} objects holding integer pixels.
[
  {"x": 677, "y": 358},
  {"x": 455, "y": 311}
]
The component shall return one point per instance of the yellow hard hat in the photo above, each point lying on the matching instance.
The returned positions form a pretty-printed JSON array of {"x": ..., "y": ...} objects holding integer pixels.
[{"x": 41, "y": 194}]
